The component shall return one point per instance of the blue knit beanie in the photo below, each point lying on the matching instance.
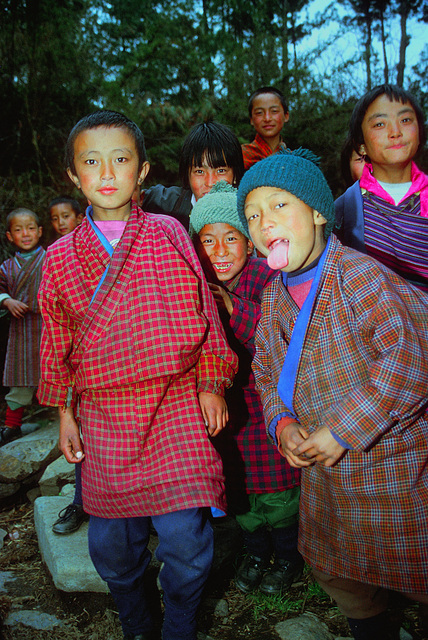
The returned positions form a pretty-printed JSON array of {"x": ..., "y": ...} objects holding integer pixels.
[
  {"x": 219, "y": 205},
  {"x": 293, "y": 171}
]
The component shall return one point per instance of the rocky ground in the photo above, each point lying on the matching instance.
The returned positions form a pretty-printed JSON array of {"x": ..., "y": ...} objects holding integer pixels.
[
  {"x": 226, "y": 613},
  {"x": 32, "y": 608}
]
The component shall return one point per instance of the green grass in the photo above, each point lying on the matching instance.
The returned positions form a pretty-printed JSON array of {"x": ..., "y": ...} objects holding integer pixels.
[{"x": 279, "y": 604}]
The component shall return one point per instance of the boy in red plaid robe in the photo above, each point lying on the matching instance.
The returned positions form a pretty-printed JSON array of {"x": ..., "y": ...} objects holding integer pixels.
[
  {"x": 342, "y": 370},
  {"x": 132, "y": 337}
]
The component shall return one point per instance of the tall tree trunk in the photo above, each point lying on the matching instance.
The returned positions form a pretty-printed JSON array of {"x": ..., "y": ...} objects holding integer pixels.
[
  {"x": 403, "y": 44},
  {"x": 383, "y": 37},
  {"x": 285, "y": 58},
  {"x": 367, "y": 54}
]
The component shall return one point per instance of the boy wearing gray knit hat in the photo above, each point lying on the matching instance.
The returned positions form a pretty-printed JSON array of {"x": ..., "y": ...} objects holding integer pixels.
[
  {"x": 342, "y": 372},
  {"x": 262, "y": 491}
]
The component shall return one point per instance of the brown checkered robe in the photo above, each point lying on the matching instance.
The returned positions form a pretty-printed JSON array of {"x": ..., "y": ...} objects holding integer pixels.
[{"x": 363, "y": 372}]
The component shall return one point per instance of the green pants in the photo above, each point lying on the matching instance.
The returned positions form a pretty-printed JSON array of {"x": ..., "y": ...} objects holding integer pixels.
[{"x": 277, "y": 510}]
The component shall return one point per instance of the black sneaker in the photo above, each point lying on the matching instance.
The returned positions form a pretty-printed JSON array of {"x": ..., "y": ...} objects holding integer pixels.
[
  {"x": 69, "y": 519},
  {"x": 250, "y": 573},
  {"x": 281, "y": 576},
  {"x": 8, "y": 434}
]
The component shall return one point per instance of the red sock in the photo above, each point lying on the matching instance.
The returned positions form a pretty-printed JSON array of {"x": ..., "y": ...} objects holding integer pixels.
[{"x": 14, "y": 417}]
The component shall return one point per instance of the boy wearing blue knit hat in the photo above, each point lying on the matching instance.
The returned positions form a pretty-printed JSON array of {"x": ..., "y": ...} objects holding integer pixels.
[
  {"x": 262, "y": 492},
  {"x": 341, "y": 368}
]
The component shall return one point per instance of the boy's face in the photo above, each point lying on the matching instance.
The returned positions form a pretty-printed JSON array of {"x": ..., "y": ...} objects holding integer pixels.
[
  {"x": 204, "y": 177},
  {"x": 390, "y": 132},
  {"x": 284, "y": 228},
  {"x": 64, "y": 219},
  {"x": 24, "y": 232},
  {"x": 267, "y": 115},
  {"x": 226, "y": 248},
  {"x": 106, "y": 162}
]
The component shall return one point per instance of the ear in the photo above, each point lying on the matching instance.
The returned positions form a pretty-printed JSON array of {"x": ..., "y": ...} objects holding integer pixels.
[
  {"x": 9, "y": 236},
  {"x": 40, "y": 232},
  {"x": 143, "y": 172},
  {"x": 318, "y": 218},
  {"x": 73, "y": 178},
  {"x": 79, "y": 218},
  {"x": 250, "y": 248},
  {"x": 286, "y": 117},
  {"x": 362, "y": 150}
]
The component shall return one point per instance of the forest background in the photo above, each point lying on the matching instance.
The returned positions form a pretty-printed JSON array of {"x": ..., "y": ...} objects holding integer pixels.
[{"x": 173, "y": 63}]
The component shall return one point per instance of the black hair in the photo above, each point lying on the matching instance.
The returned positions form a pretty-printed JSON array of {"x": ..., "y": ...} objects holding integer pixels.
[
  {"x": 104, "y": 118},
  {"x": 273, "y": 90},
  {"x": 394, "y": 93},
  {"x": 215, "y": 142},
  {"x": 21, "y": 211},
  {"x": 65, "y": 200}
]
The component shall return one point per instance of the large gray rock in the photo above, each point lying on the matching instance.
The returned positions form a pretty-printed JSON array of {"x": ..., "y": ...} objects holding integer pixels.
[
  {"x": 67, "y": 557},
  {"x": 304, "y": 627},
  {"x": 56, "y": 475},
  {"x": 33, "y": 619},
  {"x": 28, "y": 455},
  {"x": 23, "y": 461}
]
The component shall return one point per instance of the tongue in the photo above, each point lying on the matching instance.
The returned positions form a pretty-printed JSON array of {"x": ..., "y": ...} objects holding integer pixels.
[{"x": 278, "y": 257}]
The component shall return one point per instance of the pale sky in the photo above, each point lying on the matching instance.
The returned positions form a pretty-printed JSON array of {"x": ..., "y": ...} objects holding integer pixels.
[{"x": 345, "y": 47}]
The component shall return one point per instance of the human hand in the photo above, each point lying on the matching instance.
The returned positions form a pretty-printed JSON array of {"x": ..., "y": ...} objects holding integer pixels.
[
  {"x": 221, "y": 297},
  {"x": 69, "y": 436},
  {"x": 292, "y": 435},
  {"x": 17, "y": 308},
  {"x": 214, "y": 411},
  {"x": 320, "y": 446}
]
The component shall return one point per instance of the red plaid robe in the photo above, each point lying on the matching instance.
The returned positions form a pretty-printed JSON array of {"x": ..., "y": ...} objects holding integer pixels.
[
  {"x": 20, "y": 278},
  {"x": 136, "y": 357},
  {"x": 363, "y": 373},
  {"x": 264, "y": 468}
]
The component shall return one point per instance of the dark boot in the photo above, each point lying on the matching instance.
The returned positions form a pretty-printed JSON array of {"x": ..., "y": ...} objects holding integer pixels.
[
  {"x": 7, "y": 434},
  {"x": 281, "y": 576},
  {"x": 374, "y": 628},
  {"x": 70, "y": 519},
  {"x": 250, "y": 573}
]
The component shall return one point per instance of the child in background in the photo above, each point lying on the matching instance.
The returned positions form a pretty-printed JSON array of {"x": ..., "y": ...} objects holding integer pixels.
[
  {"x": 385, "y": 213},
  {"x": 342, "y": 372},
  {"x": 211, "y": 152},
  {"x": 351, "y": 163},
  {"x": 65, "y": 214},
  {"x": 131, "y": 327},
  {"x": 267, "y": 509},
  {"x": 268, "y": 111},
  {"x": 20, "y": 278}
]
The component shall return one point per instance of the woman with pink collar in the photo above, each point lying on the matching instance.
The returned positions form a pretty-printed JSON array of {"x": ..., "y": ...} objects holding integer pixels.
[{"x": 385, "y": 213}]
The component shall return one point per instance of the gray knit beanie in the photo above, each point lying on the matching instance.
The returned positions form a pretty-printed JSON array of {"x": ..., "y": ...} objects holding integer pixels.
[
  {"x": 219, "y": 205},
  {"x": 296, "y": 172}
]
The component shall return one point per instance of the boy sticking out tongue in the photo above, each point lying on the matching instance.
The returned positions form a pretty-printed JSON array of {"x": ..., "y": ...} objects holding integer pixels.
[{"x": 342, "y": 373}]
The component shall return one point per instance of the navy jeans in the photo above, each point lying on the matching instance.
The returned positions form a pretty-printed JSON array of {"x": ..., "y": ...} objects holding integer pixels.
[{"x": 118, "y": 548}]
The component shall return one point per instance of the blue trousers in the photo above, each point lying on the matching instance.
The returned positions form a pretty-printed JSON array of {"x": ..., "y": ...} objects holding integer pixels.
[{"x": 118, "y": 548}]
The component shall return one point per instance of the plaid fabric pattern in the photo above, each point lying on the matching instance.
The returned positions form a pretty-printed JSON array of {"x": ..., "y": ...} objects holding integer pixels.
[
  {"x": 264, "y": 469},
  {"x": 136, "y": 356},
  {"x": 20, "y": 278},
  {"x": 363, "y": 372},
  {"x": 257, "y": 150}
]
